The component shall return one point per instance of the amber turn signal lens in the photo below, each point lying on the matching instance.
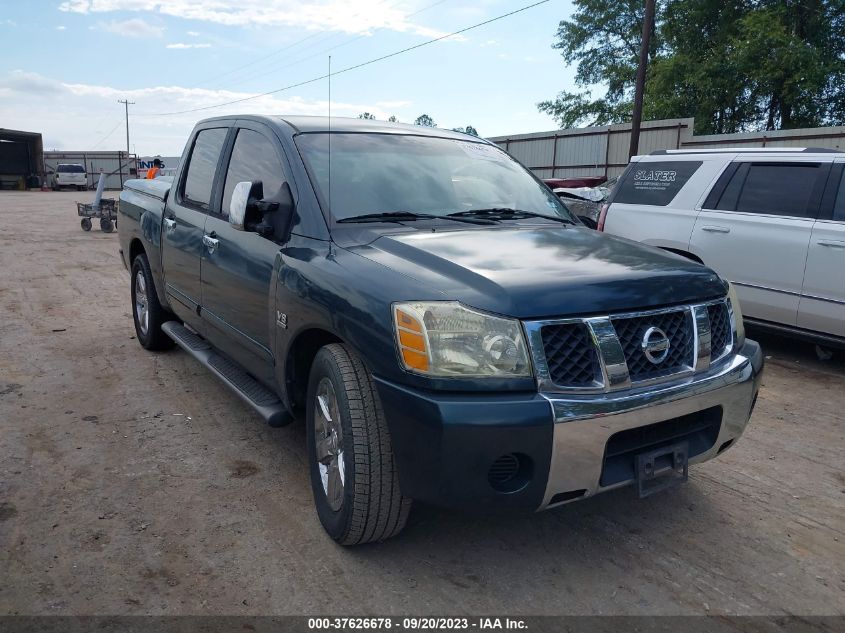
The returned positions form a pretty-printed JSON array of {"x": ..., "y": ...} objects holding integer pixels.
[{"x": 412, "y": 344}]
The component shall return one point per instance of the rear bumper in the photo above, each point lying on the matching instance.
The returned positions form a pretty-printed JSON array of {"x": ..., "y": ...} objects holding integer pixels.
[{"x": 445, "y": 444}]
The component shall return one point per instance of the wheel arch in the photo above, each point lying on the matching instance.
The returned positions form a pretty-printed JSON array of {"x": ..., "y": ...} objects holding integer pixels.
[{"x": 298, "y": 361}]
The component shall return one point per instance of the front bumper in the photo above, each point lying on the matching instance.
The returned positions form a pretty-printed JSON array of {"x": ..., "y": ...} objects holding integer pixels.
[{"x": 445, "y": 444}]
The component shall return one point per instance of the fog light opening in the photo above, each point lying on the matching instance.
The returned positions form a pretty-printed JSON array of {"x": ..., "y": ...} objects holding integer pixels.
[{"x": 510, "y": 472}]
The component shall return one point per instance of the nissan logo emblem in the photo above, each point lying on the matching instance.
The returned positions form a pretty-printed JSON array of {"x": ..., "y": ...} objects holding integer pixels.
[{"x": 655, "y": 345}]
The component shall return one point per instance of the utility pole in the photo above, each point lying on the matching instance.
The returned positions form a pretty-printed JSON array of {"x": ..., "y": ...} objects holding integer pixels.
[
  {"x": 126, "y": 103},
  {"x": 648, "y": 27}
]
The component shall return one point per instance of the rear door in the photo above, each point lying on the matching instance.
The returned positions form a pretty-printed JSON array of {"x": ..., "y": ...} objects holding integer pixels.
[
  {"x": 184, "y": 220},
  {"x": 237, "y": 273},
  {"x": 822, "y": 306},
  {"x": 754, "y": 230}
]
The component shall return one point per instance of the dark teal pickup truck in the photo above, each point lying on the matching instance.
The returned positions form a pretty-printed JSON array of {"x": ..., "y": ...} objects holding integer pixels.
[{"x": 448, "y": 330}]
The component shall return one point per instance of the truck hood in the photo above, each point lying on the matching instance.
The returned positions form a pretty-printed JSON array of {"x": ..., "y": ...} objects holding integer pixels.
[{"x": 542, "y": 271}]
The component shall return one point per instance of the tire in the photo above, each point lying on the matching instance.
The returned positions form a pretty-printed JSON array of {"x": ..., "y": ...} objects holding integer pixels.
[
  {"x": 148, "y": 322},
  {"x": 80, "y": 188},
  {"x": 370, "y": 505},
  {"x": 106, "y": 225},
  {"x": 85, "y": 223}
]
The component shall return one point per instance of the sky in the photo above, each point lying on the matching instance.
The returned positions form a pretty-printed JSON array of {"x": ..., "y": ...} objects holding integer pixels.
[{"x": 65, "y": 64}]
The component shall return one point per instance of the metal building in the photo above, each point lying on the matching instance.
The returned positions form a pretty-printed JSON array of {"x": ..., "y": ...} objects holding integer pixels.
[
  {"x": 118, "y": 167},
  {"x": 21, "y": 162},
  {"x": 603, "y": 151}
]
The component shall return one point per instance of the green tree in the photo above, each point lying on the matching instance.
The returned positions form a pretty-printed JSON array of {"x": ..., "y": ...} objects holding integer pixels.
[
  {"x": 367, "y": 115},
  {"x": 393, "y": 119},
  {"x": 466, "y": 130},
  {"x": 425, "y": 120},
  {"x": 732, "y": 64}
]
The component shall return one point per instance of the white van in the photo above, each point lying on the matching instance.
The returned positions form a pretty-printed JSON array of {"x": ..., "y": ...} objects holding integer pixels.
[{"x": 771, "y": 220}]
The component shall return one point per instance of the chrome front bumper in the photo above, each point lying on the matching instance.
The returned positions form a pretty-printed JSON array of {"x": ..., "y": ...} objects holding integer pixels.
[{"x": 584, "y": 424}]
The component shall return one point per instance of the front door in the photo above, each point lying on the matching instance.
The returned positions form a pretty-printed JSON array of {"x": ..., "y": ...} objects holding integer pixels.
[
  {"x": 237, "y": 273},
  {"x": 822, "y": 306},
  {"x": 757, "y": 235},
  {"x": 184, "y": 220}
]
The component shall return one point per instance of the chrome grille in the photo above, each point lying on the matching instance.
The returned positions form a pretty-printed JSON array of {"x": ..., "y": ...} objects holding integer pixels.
[
  {"x": 720, "y": 330},
  {"x": 609, "y": 353},
  {"x": 678, "y": 328},
  {"x": 572, "y": 358}
]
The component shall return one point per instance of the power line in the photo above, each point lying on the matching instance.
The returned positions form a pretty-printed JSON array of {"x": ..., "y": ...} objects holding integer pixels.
[
  {"x": 102, "y": 140},
  {"x": 331, "y": 48},
  {"x": 355, "y": 67},
  {"x": 289, "y": 46}
]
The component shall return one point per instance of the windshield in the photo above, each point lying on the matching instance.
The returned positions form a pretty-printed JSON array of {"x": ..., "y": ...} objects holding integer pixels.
[{"x": 384, "y": 173}]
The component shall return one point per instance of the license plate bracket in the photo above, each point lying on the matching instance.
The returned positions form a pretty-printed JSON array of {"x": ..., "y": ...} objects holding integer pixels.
[{"x": 662, "y": 468}]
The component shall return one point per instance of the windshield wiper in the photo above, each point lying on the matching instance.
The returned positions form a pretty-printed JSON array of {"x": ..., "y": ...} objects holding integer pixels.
[
  {"x": 506, "y": 213},
  {"x": 408, "y": 216}
]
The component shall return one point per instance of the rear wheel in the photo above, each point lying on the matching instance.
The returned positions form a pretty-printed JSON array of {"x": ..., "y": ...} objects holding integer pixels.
[
  {"x": 81, "y": 188},
  {"x": 147, "y": 312},
  {"x": 353, "y": 473},
  {"x": 106, "y": 225},
  {"x": 85, "y": 223}
]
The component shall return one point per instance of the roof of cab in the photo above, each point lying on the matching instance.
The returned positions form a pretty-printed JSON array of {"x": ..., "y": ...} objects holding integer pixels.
[{"x": 304, "y": 124}]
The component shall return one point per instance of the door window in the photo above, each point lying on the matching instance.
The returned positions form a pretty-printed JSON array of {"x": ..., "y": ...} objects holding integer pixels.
[
  {"x": 771, "y": 188},
  {"x": 253, "y": 158},
  {"x": 202, "y": 166}
]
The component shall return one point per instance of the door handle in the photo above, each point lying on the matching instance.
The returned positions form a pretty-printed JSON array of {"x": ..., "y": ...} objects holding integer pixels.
[
  {"x": 832, "y": 243},
  {"x": 210, "y": 243},
  {"x": 170, "y": 225},
  {"x": 715, "y": 229}
]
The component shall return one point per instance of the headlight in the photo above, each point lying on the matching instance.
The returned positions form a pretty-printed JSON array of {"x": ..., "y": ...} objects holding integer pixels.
[
  {"x": 739, "y": 326},
  {"x": 443, "y": 338}
]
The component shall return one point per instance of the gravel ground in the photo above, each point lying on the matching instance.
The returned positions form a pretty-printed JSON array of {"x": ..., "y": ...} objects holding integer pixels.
[{"x": 135, "y": 483}]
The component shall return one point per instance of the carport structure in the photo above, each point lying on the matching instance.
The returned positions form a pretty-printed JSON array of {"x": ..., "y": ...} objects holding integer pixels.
[{"x": 21, "y": 158}]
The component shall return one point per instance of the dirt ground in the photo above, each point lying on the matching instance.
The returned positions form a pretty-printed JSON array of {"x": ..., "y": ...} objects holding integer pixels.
[{"x": 135, "y": 483}]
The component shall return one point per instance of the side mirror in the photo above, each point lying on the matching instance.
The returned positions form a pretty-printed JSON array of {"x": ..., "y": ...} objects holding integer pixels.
[
  {"x": 237, "y": 208},
  {"x": 249, "y": 211}
]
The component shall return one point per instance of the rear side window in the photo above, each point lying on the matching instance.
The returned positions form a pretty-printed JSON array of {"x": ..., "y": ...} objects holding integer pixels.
[
  {"x": 784, "y": 189},
  {"x": 202, "y": 166},
  {"x": 839, "y": 205},
  {"x": 655, "y": 183}
]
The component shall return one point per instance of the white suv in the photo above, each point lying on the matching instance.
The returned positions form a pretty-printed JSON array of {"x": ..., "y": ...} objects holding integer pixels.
[
  {"x": 771, "y": 220},
  {"x": 70, "y": 175}
]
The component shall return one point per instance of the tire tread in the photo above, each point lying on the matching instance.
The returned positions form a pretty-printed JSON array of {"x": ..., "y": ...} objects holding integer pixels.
[{"x": 379, "y": 510}]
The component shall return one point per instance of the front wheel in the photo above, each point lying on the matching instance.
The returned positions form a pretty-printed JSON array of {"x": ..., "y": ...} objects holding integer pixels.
[
  {"x": 147, "y": 312},
  {"x": 106, "y": 225},
  {"x": 353, "y": 473},
  {"x": 85, "y": 223}
]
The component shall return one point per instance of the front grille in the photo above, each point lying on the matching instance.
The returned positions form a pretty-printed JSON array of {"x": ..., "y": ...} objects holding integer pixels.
[
  {"x": 571, "y": 355},
  {"x": 699, "y": 429},
  {"x": 678, "y": 329},
  {"x": 720, "y": 330}
]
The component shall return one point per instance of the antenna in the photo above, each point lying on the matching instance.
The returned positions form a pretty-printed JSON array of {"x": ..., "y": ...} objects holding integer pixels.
[{"x": 330, "y": 133}]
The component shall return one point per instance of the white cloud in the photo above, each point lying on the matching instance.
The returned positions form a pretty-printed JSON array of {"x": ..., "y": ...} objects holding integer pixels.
[
  {"x": 362, "y": 16},
  {"x": 89, "y": 110},
  {"x": 8, "y": 23},
  {"x": 193, "y": 33},
  {"x": 136, "y": 27},
  {"x": 180, "y": 45},
  {"x": 61, "y": 28}
]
